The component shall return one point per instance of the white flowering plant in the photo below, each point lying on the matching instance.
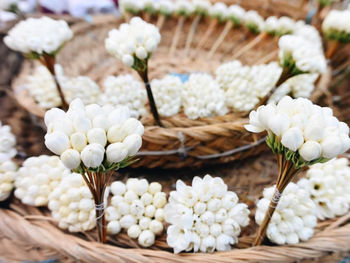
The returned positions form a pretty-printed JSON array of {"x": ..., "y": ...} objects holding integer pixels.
[
  {"x": 42, "y": 39},
  {"x": 300, "y": 133},
  {"x": 279, "y": 26},
  {"x": 218, "y": 11},
  {"x": 184, "y": 8},
  {"x": 94, "y": 141},
  {"x": 137, "y": 207},
  {"x": 204, "y": 217},
  {"x": 134, "y": 43},
  {"x": 201, "y": 7},
  {"x": 7, "y": 143},
  {"x": 7, "y": 178},
  {"x": 236, "y": 14},
  {"x": 254, "y": 22}
]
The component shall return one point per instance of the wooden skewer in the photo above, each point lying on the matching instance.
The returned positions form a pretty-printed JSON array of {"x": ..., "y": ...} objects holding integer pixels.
[
  {"x": 177, "y": 34},
  {"x": 228, "y": 26},
  {"x": 190, "y": 36},
  {"x": 268, "y": 58},
  {"x": 160, "y": 21},
  {"x": 250, "y": 45},
  {"x": 206, "y": 35}
]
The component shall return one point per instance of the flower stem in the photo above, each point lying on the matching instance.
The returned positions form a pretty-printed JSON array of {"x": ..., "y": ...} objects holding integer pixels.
[
  {"x": 97, "y": 183},
  {"x": 285, "y": 176},
  {"x": 144, "y": 75},
  {"x": 49, "y": 62}
]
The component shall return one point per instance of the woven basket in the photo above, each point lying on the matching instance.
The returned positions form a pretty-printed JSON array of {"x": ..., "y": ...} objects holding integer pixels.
[
  {"x": 183, "y": 142},
  {"x": 29, "y": 233}
]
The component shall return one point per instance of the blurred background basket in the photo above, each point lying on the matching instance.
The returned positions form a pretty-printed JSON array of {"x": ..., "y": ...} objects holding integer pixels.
[{"x": 184, "y": 142}]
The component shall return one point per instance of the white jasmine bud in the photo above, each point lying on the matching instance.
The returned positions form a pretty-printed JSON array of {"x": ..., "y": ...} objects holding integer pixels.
[
  {"x": 154, "y": 188},
  {"x": 310, "y": 150},
  {"x": 70, "y": 158},
  {"x": 146, "y": 238},
  {"x": 92, "y": 155},
  {"x": 118, "y": 188},
  {"x": 159, "y": 199},
  {"x": 134, "y": 231},
  {"x": 57, "y": 142},
  {"x": 156, "y": 227},
  {"x": 127, "y": 221},
  {"x": 116, "y": 152},
  {"x": 113, "y": 227},
  {"x": 97, "y": 135},
  {"x": 78, "y": 141}
]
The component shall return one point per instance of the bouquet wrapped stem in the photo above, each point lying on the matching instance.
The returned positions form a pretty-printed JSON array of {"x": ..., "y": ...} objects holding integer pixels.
[
  {"x": 286, "y": 172},
  {"x": 97, "y": 182},
  {"x": 49, "y": 62}
]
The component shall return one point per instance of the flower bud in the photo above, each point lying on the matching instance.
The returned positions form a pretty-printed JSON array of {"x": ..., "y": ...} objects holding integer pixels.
[
  {"x": 78, "y": 141},
  {"x": 159, "y": 200},
  {"x": 224, "y": 242},
  {"x": 93, "y": 110},
  {"x": 127, "y": 221},
  {"x": 279, "y": 124},
  {"x": 97, "y": 135},
  {"x": 53, "y": 115},
  {"x": 146, "y": 238},
  {"x": 116, "y": 152},
  {"x": 70, "y": 158},
  {"x": 118, "y": 188},
  {"x": 215, "y": 229},
  {"x": 113, "y": 227},
  {"x": 82, "y": 124},
  {"x": 134, "y": 231},
  {"x": 133, "y": 143},
  {"x": 156, "y": 227},
  {"x": 292, "y": 138},
  {"x": 100, "y": 121},
  {"x": 141, "y": 53},
  {"x": 57, "y": 142},
  {"x": 310, "y": 150},
  {"x": 144, "y": 222},
  {"x": 154, "y": 188},
  {"x": 146, "y": 198},
  {"x": 208, "y": 244},
  {"x": 331, "y": 146},
  {"x": 92, "y": 155},
  {"x": 128, "y": 60}
]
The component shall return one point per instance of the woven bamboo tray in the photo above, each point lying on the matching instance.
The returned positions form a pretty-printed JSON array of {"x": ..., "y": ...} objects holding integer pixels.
[
  {"x": 29, "y": 233},
  {"x": 184, "y": 142}
]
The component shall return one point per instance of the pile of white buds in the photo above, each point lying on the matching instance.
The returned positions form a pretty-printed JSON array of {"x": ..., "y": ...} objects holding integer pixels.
[
  {"x": 42, "y": 88},
  {"x": 298, "y": 86},
  {"x": 299, "y": 128},
  {"x": 38, "y": 36},
  {"x": 7, "y": 178},
  {"x": 150, "y": 6},
  {"x": 328, "y": 185},
  {"x": 81, "y": 87},
  {"x": 300, "y": 55},
  {"x": 218, "y": 11},
  {"x": 201, "y": 7},
  {"x": 253, "y": 21},
  {"x": 167, "y": 95},
  {"x": 137, "y": 206},
  {"x": 205, "y": 216},
  {"x": 245, "y": 86},
  {"x": 7, "y": 4},
  {"x": 37, "y": 178},
  {"x": 72, "y": 205},
  {"x": 279, "y": 26},
  {"x": 203, "y": 97},
  {"x": 7, "y": 143},
  {"x": 124, "y": 90},
  {"x": 184, "y": 8},
  {"x": 92, "y": 134},
  {"x": 294, "y": 218},
  {"x": 133, "y": 41},
  {"x": 336, "y": 25}
]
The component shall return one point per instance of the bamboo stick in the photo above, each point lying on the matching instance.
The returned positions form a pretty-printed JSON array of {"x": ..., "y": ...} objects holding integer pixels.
[
  {"x": 228, "y": 26},
  {"x": 250, "y": 45},
  {"x": 176, "y": 38},
  {"x": 191, "y": 33}
]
